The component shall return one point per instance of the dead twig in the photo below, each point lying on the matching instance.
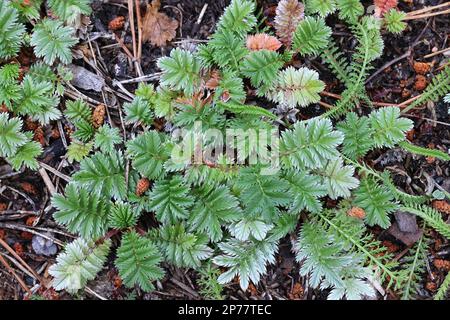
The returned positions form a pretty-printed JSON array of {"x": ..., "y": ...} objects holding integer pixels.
[
  {"x": 18, "y": 278},
  {"x": 15, "y": 255}
]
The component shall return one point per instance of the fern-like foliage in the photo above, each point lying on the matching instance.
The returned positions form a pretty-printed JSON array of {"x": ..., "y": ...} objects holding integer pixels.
[
  {"x": 388, "y": 127},
  {"x": 431, "y": 216},
  {"x": 262, "y": 194},
  {"x": 214, "y": 207},
  {"x": 296, "y": 87},
  {"x": 79, "y": 263},
  {"x": 377, "y": 201},
  {"x": 106, "y": 138},
  {"x": 306, "y": 190},
  {"x": 78, "y": 150},
  {"x": 11, "y": 138},
  {"x": 181, "y": 71},
  {"x": 228, "y": 49},
  {"x": 170, "y": 199},
  {"x": 335, "y": 59},
  {"x": 439, "y": 87},
  {"x": 26, "y": 155},
  {"x": 424, "y": 151},
  {"x": 138, "y": 111},
  {"x": 182, "y": 248},
  {"x": 415, "y": 266},
  {"x": 11, "y": 30},
  {"x": 443, "y": 289},
  {"x": 247, "y": 260},
  {"x": 78, "y": 110},
  {"x": 261, "y": 67},
  {"x": 321, "y": 7},
  {"x": 38, "y": 100},
  {"x": 310, "y": 144},
  {"x": 238, "y": 17},
  {"x": 358, "y": 136},
  {"x": 339, "y": 179},
  {"x": 350, "y": 10},
  {"x": 334, "y": 252},
  {"x": 393, "y": 20},
  {"x": 70, "y": 10},
  {"x": 367, "y": 32},
  {"x": 311, "y": 36},
  {"x": 148, "y": 154},
  {"x": 122, "y": 215},
  {"x": 51, "y": 40},
  {"x": 81, "y": 211},
  {"x": 138, "y": 261},
  {"x": 103, "y": 174},
  {"x": 9, "y": 86}
]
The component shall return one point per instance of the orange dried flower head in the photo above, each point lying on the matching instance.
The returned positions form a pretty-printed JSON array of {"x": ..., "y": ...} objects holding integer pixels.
[
  {"x": 442, "y": 264},
  {"x": 356, "y": 212},
  {"x": 29, "y": 188},
  {"x": 289, "y": 13},
  {"x": 116, "y": 24},
  {"x": 18, "y": 248},
  {"x": 263, "y": 41},
  {"x": 442, "y": 206},
  {"x": 421, "y": 83},
  {"x": 98, "y": 116},
  {"x": 383, "y": 6},
  {"x": 30, "y": 221},
  {"x": 421, "y": 68},
  {"x": 142, "y": 186},
  {"x": 3, "y": 206},
  {"x": 2, "y": 234}
]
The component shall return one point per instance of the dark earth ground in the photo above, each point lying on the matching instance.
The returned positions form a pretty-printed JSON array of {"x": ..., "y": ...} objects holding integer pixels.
[{"x": 24, "y": 197}]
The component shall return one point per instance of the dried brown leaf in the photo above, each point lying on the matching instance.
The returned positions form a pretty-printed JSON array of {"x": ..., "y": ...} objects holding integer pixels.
[
  {"x": 157, "y": 27},
  {"x": 289, "y": 13},
  {"x": 263, "y": 41}
]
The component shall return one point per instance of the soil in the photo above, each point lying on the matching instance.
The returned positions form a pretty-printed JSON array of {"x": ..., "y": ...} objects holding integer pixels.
[{"x": 25, "y": 194}]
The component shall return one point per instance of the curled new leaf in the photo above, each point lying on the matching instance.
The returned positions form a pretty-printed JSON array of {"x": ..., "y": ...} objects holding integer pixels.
[{"x": 288, "y": 15}]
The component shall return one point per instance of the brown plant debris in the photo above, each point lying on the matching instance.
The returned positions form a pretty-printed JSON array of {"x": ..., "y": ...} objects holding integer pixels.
[
  {"x": 421, "y": 68},
  {"x": 356, "y": 212},
  {"x": 98, "y": 116},
  {"x": 442, "y": 206},
  {"x": 117, "y": 23},
  {"x": 157, "y": 27},
  {"x": 421, "y": 83},
  {"x": 442, "y": 264},
  {"x": 142, "y": 186}
]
